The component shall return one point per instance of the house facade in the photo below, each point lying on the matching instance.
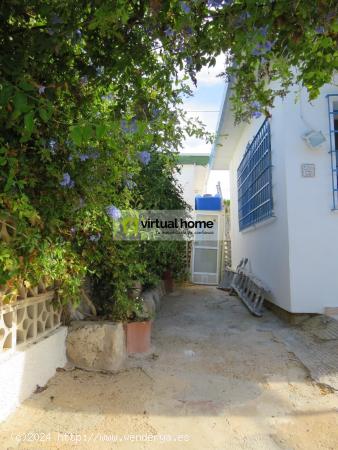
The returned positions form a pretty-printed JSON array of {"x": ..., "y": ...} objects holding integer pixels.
[
  {"x": 284, "y": 199},
  {"x": 193, "y": 175}
]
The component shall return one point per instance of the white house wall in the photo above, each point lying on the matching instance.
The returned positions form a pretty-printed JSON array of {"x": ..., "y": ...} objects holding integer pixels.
[
  {"x": 193, "y": 179},
  {"x": 313, "y": 226},
  {"x": 265, "y": 245},
  {"x": 296, "y": 253}
]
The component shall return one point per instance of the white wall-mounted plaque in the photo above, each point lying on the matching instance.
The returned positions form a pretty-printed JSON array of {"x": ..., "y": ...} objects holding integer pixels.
[{"x": 308, "y": 170}]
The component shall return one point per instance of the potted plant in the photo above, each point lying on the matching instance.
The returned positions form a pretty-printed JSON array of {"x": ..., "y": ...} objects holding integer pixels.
[
  {"x": 137, "y": 321},
  {"x": 138, "y": 328}
]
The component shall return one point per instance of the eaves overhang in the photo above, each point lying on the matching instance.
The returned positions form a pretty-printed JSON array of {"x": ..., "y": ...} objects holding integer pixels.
[{"x": 227, "y": 134}]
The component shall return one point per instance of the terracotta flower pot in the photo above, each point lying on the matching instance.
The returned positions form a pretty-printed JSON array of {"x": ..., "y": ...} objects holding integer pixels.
[
  {"x": 168, "y": 281},
  {"x": 138, "y": 336}
]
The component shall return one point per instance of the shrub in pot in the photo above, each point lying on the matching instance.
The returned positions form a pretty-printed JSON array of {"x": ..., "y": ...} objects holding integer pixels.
[{"x": 137, "y": 325}]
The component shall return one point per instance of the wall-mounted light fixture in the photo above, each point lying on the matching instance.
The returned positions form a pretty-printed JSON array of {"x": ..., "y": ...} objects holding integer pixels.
[{"x": 314, "y": 139}]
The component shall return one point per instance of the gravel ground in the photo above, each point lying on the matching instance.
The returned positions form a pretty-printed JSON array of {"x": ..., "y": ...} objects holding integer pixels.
[{"x": 217, "y": 378}]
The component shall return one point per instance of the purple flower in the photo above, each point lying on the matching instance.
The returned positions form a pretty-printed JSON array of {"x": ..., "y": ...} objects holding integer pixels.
[
  {"x": 145, "y": 157},
  {"x": 78, "y": 34},
  {"x": 67, "y": 181},
  {"x": 320, "y": 30},
  {"x": 52, "y": 144},
  {"x": 41, "y": 89},
  {"x": 268, "y": 46},
  {"x": 188, "y": 60},
  {"x": 73, "y": 230},
  {"x": 244, "y": 16},
  {"x": 217, "y": 3},
  {"x": 107, "y": 97},
  {"x": 124, "y": 125},
  {"x": 264, "y": 30},
  {"x": 189, "y": 31},
  {"x": 169, "y": 32},
  {"x": 129, "y": 182},
  {"x": 181, "y": 47},
  {"x": 257, "y": 51},
  {"x": 261, "y": 49},
  {"x": 129, "y": 127},
  {"x": 256, "y": 106},
  {"x": 84, "y": 157},
  {"x": 113, "y": 212},
  {"x": 156, "y": 113},
  {"x": 185, "y": 7},
  {"x": 95, "y": 237},
  {"x": 84, "y": 80},
  {"x": 133, "y": 125}
]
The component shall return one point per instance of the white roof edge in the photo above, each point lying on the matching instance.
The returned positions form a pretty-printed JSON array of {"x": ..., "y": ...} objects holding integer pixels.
[
  {"x": 220, "y": 120},
  {"x": 220, "y": 155},
  {"x": 193, "y": 154}
]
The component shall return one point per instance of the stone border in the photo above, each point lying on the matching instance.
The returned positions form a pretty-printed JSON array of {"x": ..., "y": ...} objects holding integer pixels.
[
  {"x": 101, "y": 345},
  {"x": 152, "y": 298},
  {"x": 96, "y": 345}
]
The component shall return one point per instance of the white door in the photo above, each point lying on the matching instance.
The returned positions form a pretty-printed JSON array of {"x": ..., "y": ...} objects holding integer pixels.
[{"x": 206, "y": 252}]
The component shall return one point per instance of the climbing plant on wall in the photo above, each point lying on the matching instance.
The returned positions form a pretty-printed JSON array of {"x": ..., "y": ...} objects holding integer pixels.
[{"x": 90, "y": 115}]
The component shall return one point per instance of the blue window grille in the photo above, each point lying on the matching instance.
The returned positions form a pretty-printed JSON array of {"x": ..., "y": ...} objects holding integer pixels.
[
  {"x": 332, "y": 100},
  {"x": 254, "y": 180}
]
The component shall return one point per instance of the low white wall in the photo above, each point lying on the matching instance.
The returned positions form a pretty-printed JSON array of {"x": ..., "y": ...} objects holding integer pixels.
[{"x": 25, "y": 368}]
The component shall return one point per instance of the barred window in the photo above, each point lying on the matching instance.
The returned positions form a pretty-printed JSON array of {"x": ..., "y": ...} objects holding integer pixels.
[
  {"x": 254, "y": 180},
  {"x": 333, "y": 129}
]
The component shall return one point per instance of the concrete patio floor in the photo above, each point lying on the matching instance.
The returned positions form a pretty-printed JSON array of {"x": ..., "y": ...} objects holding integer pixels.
[{"x": 217, "y": 378}]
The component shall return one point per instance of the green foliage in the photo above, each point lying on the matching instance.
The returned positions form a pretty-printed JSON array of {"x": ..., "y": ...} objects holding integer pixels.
[
  {"x": 127, "y": 309},
  {"x": 85, "y": 87}
]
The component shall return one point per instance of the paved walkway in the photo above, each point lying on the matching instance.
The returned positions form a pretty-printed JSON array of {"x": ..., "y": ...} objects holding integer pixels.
[{"x": 217, "y": 378}]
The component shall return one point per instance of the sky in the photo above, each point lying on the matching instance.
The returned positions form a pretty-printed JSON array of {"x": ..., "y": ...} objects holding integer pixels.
[{"x": 207, "y": 100}]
